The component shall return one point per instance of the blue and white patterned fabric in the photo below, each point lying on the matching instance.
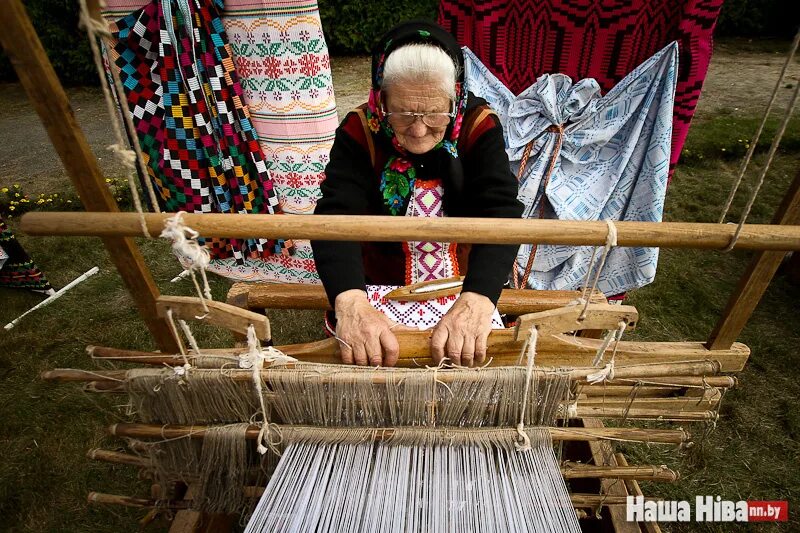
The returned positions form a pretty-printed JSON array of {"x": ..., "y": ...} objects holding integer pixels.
[{"x": 613, "y": 162}]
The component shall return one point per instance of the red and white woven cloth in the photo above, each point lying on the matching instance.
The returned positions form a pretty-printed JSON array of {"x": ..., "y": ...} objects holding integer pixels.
[{"x": 421, "y": 315}]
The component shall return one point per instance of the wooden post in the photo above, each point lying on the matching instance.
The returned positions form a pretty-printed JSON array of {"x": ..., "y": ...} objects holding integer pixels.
[
  {"x": 47, "y": 96},
  {"x": 756, "y": 279},
  {"x": 603, "y": 455}
]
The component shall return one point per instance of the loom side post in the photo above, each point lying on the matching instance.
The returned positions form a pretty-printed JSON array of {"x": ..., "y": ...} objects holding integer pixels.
[
  {"x": 754, "y": 282},
  {"x": 47, "y": 96}
]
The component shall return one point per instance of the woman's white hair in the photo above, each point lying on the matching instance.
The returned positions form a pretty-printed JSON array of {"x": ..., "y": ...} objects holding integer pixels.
[{"x": 412, "y": 63}]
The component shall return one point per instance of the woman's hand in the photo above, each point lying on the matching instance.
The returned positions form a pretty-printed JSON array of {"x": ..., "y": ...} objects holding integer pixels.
[
  {"x": 463, "y": 332},
  {"x": 364, "y": 333}
]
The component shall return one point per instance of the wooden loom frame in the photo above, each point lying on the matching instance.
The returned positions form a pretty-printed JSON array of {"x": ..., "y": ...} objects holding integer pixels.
[{"x": 47, "y": 96}]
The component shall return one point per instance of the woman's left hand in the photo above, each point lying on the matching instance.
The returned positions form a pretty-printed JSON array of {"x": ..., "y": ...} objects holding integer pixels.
[{"x": 463, "y": 332}]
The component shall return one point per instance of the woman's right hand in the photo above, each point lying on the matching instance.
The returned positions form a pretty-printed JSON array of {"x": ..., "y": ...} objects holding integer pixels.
[{"x": 364, "y": 333}]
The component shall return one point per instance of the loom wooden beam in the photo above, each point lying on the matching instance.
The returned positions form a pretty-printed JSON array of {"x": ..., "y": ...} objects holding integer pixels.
[
  {"x": 48, "y": 98},
  {"x": 130, "y": 501},
  {"x": 554, "y": 351},
  {"x": 664, "y": 414},
  {"x": 109, "y": 456},
  {"x": 652, "y": 436},
  {"x": 677, "y": 404},
  {"x": 569, "y": 469},
  {"x": 609, "y": 394},
  {"x": 448, "y": 229},
  {"x": 755, "y": 280},
  {"x": 221, "y": 314},
  {"x": 578, "y": 500},
  {"x": 617, "y": 386},
  {"x": 722, "y": 382},
  {"x": 295, "y": 296},
  {"x": 350, "y": 374},
  {"x": 572, "y": 470}
]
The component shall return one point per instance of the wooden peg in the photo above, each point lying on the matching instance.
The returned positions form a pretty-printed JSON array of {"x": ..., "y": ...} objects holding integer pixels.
[
  {"x": 221, "y": 314},
  {"x": 427, "y": 290}
]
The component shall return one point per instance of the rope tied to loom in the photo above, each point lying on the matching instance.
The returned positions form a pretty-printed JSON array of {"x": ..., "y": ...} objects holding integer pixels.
[
  {"x": 607, "y": 372},
  {"x": 180, "y": 371},
  {"x": 255, "y": 359},
  {"x": 184, "y": 242},
  {"x": 524, "y": 443},
  {"x": 754, "y": 142},
  {"x": 585, "y": 298},
  {"x": 97, "y": 30}
]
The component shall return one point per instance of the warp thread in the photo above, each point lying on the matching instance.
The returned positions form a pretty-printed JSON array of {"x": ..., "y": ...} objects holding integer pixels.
[{"x": 524, "y": 444}]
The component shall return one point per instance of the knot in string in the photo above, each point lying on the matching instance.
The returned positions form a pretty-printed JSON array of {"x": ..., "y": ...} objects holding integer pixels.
[
  {"x": 604, "y": 374},
  {"x": 255, "y": 359},
  {"x": 607, "y": 372},
  {"x": 572, "y": 410},
  {"x": 611, "y": 241},
  {"x": 126, "y": 156},
  {"x": 184, "y": 243}
]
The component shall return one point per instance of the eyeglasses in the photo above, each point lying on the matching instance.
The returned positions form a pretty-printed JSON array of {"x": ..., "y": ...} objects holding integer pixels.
[{"x": 404, "y": 119}]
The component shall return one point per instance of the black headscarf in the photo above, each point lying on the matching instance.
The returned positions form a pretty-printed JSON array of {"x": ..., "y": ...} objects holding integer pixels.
[{"x": 399, "y": 174}]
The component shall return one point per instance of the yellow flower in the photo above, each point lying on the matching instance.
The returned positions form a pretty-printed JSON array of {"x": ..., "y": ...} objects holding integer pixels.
[
  {"x": 108, "y": 180},
  {"x": 16, "y": 195},
  {"x": 11, "y": 208},
  {"x": 4, "y": 189}
]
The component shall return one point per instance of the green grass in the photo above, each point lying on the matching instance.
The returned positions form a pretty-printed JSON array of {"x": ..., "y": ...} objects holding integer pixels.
[{"x": 753, "y": 452}]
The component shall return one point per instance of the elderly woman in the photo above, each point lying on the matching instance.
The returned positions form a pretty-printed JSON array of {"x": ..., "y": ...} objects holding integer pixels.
[{"x": 422, "y": 146}]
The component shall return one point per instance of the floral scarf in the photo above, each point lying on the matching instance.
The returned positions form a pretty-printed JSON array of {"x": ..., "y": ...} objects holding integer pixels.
[{"x": 399, "y": 173}]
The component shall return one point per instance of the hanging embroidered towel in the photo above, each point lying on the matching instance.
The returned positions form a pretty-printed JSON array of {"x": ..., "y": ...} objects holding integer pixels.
[
  {"x": 592, "y": 157},
  {"x": 195, "y": 131}
]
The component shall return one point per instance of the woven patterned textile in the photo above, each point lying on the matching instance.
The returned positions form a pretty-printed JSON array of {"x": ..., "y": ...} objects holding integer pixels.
[
  {"x": 281, "y": 58},
  {"x": 519, "y": 40},
  {"x": 422, "y": 315},
  {"x": 17, "y": 270},
  {"x": 426, "y": 260},
  {"x": 186, "y": 100},
  {"x": 281, "y": 55},
  {"x": 592, "y": 157}
]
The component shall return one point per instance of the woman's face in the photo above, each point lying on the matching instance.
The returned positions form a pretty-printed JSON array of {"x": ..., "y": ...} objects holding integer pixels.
[{"x": 417, "y": 97}]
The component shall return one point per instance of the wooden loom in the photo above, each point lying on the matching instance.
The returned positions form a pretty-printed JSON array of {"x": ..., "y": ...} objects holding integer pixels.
[
  {"x": 685, "y": 385},
  {"x": 654, "y": 381}
]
